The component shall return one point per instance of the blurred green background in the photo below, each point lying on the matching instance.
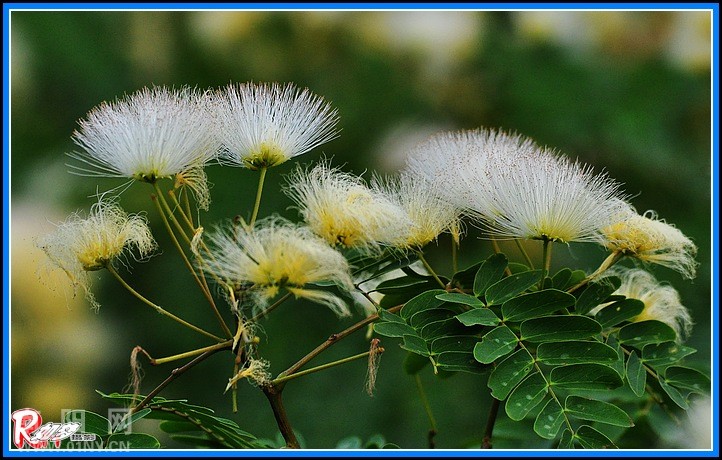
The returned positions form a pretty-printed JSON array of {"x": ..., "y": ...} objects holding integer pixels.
[{"x": 628, "y": 92}]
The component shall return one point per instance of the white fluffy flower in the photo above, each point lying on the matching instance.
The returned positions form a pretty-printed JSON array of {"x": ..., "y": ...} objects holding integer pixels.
[
  {"x": 80, "y": 245},
  {"x": 275, "y": 255},
  {"x": 517, "y": 189},
  {"x": 661, "y": 301},
  {"x": 263, "y": 125},
  {"x": 427, "y": 214},
  {"x": 154, "y": 133},
  {"x": 651, "y": 240},
  {"x": 343, "y": 210}
]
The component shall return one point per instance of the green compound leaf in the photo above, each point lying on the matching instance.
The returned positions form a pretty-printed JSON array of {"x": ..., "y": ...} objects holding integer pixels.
[
  {"x": 526, "y": 396},
  {"x": 496, "y": 343},
  {"x": 618, "y": 365},
  {"x": 619, "y": 311},
  {"x": 535, "y": 304},
  {"x": 596, "y": 293},
  {"x": 464, "y": 299},
  {"x": 123, "y": 441},
  {"x": 423, "y": 301},
  {"x": 442, "y": 328},
  {"x": 508, "y": 287},
  {"x": 567, "y": 440},
  {"x": 461, "y": 343},
  {"x": 674, "y": 394},
  {"x": 507, "y": 374},
  {"x": 665, "y": 353},
  {"x": 389, "y": 329},
  {"x": 413, "y": 363},
  {"x": 590, "y": 438},
  {"x": 636, "y": 374},
  {"x": 575, "y": 352},
  {"x": 415, "y": 344},
  {"x": 549, "y": 420},
  {"x": 585, "y": 377},
  {"x": 422, "y": 318},
  {"x": 402, "y": 284},
  {"x": 596, "y": 411},
  {"x": 454, "y": 361},
  {"x": 559, "y": 328},
  {"x": 688, "y": 379},
  {"x": 90, "y": 422},
  {"x": 478, "y": 316},
  {"x": 390, "y": 317},
  {"x": 490, "y": 271},
  {"x": 640, "y": 334}
]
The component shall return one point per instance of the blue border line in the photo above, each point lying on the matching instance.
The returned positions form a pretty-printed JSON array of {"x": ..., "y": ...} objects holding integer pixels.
[
  {"x": 364, "y": 6},
  {"x": 714, "y": 7}
]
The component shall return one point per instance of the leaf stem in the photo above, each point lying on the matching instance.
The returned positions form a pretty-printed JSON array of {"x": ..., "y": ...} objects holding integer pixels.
[
  {"x": 175, "y": 373},
  {"x": 158, "y": 308},
  {"x": 427, "y": 407},
  {"x": 611, "y": 259},
  {"x": 490, "y": 421},
  {"x": 334, "y": 338},
  {"x": 546, "y": 260},
  {"x": 431, "y": 270},
  {"x": 259, "y": 192},
  {"x": 524, "y": 253},
  {"x": 272, "y": 307},
  {"x": 283, "y": 379},
  {"x": 188, "y": 354}
]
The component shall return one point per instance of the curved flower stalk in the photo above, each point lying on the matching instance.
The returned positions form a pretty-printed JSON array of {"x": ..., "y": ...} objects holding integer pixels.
[
  {"x": 276, "y": 255},
  {"x": 428, "y": 215},
  {"x": 152, "y": 134},
  {"x": 661, "y": 301},
  {"x": 264, "y": 125},
  {"x": 80, "y": 245},
  {"x": 651, "y": 240},
  {"x": 343, "y": 210},
  {"x": 516, "y": 189}
]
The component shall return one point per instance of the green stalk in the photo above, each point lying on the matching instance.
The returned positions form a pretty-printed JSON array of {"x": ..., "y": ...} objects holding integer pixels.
[
  {"x": 160, "y": 309},
  {"x": 281, "y": 380},
  {"x": 257, "y": 205},
  {"x": 431, "y": 270}
]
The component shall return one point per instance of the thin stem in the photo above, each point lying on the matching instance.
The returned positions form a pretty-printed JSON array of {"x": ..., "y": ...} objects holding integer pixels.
[
  {"x": 524, "y": 253},
  {"x": 334, "y": 338},
  {"x": 160, "y": 309},
  {"x": 427, "y": 408},
  {"x": 169, "y": 212},
  {"x": 497, "y": 250},
  {"x": 546, "y": 260},
  {"x": 175, "y": 373},
  {"x": 431, "y": 270},
  {"x": 201, "y": 284},
  {"x": 274, "y": 396},
  {"x": 282, "y": 380},
  {"x": 188, "y": 354},
  {"x": 611, "y": 259},
  {"x": 367, "y": 296},
  {"x": 257, "y": 205},
  {"x": 490, "y": 421},
  {"x": 186, "y": 216},
  {"x": 454, "y": 255},
  {"x": 272, "y": 307}
]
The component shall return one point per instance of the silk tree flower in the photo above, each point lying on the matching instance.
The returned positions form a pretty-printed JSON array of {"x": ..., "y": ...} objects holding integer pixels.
[
  {"x": 275, "y": 255},
  {"x": 343, "y": 210},
  {"x": 264, "y": 125},
  {"x": 661, "y": 301},
  {"x": 516, "y": 189},
  {"x": 651, "y": 240},
  {"x": 152, "y": 134},
  {"x": 84, "y": 244},
  {"x": 428, "y": 215}
]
